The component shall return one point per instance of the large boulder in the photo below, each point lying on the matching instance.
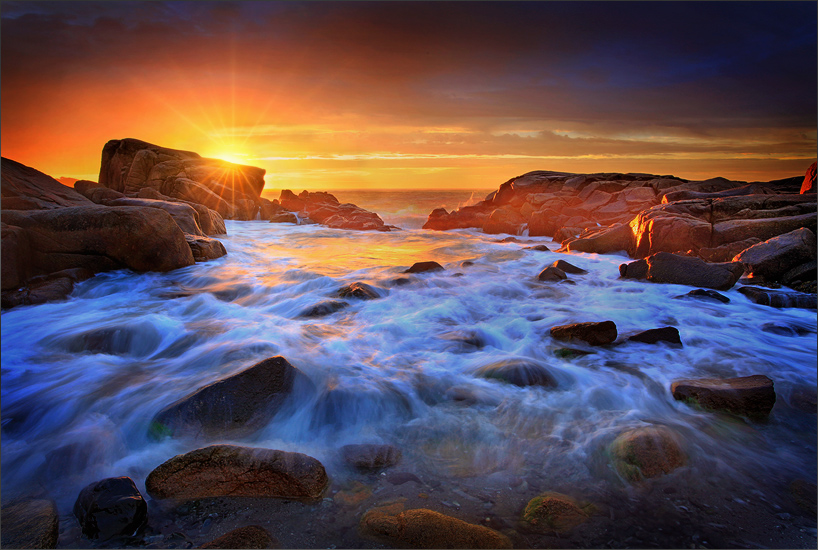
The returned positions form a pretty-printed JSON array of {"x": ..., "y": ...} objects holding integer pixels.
[
  {"x": 29, "y": 523},
  {"x": 184, "y": 215},
  {"x": 229, "y": 470},
  {"x": 111, "y": 508},
  {"x": 615, "y": 238},
  {"x": 646, "y": 452},
  {"x": 422, "y": 528},
  {"x": 771, "y": 259},
  {"x": 593, "y": 333},
  {"x": 664, "y": 267},
  {"x": 129, "y": 165},
  {"x": 24, "y": 188},
  {"x": 234, "y": 406},
  {"x": 752, "y": 396},
  {"x": 210, "y": 221},
  {"x": 142, "y": 239}
]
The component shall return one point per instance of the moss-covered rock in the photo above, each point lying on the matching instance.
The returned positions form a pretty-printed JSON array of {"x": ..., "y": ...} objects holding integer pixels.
[
  {"x": 646, "y": 452},
  {"x": 555, "y": 512}
]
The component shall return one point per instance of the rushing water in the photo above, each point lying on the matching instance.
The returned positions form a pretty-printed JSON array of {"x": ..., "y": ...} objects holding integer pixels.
[{"x": 82, "y": 378}]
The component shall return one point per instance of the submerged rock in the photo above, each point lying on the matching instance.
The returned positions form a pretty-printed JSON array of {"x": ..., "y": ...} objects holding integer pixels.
[
  {"x": 229, "y": 470},
  {"x": 111, "y": 508},
  {"x": 322, "y": 309},
  {"x": 552, "y": 273},
  {"x": 370, "y": 456},
  {"x": 751, "y": 396},
  {"x": 422, "y": 528},
  {"x": 359, "y": 290},
  {"x": 646, "y": 452},
  {"x": 568, "y": 268},
  {"x": 29, "y": 522},
  {"x": 780, "y": 299},
  {"x": 250, "y": 537},
  {"x": 518, "y": 372},
  {"x": 652, "y": 336},
  {"x": 236, "y": 405},
  {"x": 423, "y": 267},
  {"x": 594, "y": 333},
  {"x": 555, "y": 512},
  {"x": 708, "y": 295}
]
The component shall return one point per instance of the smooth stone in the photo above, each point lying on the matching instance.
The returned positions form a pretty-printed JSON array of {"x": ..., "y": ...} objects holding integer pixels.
[
  {"x": 752, "y": 396},
  {"x": 423, "y": 267},
  {"x": 594, "y": 333},
  {"x": 109, "y": 508},
  {"x": 652, "y": 336},
  {"x": 646, "y": 452}
]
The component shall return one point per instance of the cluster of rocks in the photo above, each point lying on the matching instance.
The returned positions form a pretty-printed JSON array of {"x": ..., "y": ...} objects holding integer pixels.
[
  {"x": 769, "y": 228},
  {"x": 54, "y": 236},
  {"x": 153, "y": 209},
  {"x": 320, "y": 207}
]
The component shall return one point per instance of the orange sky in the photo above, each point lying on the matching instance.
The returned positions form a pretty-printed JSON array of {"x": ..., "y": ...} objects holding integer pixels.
[{"x": 414, "y": 95}]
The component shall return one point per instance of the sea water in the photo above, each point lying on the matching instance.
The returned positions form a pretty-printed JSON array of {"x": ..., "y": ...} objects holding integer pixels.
[{"x": 82, "y": 378}]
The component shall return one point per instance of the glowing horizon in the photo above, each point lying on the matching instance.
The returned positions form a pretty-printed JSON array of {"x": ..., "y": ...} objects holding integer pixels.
[{"x": 395, "y": 95}]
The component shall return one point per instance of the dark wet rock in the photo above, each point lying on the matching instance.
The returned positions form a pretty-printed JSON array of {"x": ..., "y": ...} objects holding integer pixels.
[
  {"x": 552, "y": 273},
  {"x": 808, "y": 185},
  {"x": 785, "y": 330},
  {"x": 569, "y": 353},
  {"x": 370, "y": 456},
  {"x": 400, "y": 281},
  {"x": 45, "y": 288},
  {"x": 594, "y": 333},
  {"x": 229, "y": 470},
  {"x": 29, "y": 522},
  {"x": 518, "y": 372},
  {"x": 568, "y": 268},
  {"x": 805, "y": 272},
  {"x": 322, "y": 309},
  {"x": 652, "y": 336},
  {"x": 664, "y": 267},
  {"x": 771, "y": 259},
  {"x": 423, "y": 267},
  {"x": 539, "y": 247},
  {"x": 250, "y": 537},
  {"x": 236, "y": 405},
  {"x": 708, "y": 295},
  {"x": 422, "y": 528},
  {"x": 284, "y": 217},
  {"x": 399, "y": 478},
  {"x": 359, "y": 290},
  {"x": 111, "y": 508},
  {"x": 751, "y": 396},
  {"x": 205, "y": 248},
  {"x": 634, "y": 270},
  {"x": 465, "y": 340},
  {"x": 646, "y": 452},
  {"x": 779, "y": 299},
  {"x": 555, "y": 513}
]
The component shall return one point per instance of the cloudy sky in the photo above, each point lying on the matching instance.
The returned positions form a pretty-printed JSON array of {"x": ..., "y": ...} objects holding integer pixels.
[{"x": 416, "y": 94}]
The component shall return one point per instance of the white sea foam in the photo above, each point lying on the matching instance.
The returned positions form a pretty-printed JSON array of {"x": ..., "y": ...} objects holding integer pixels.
[{"x": 93, "y": 370}]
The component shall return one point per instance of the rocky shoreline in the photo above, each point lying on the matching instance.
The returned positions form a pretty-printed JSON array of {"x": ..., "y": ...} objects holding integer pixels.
[{"x": 157, "y": 209}]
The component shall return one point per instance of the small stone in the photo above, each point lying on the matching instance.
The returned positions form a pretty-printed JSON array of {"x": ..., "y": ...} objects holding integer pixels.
[
  {"x": 554, "y": 512},
  {"x": 646, "y": 452},
  {"x": 568, "y": 268},
  {"x": 518, "y": 372},
  {"x": 110, "y": 508},
  {"x": 704, "y": 294},
  {"x": 359, "y": 290},
  {"x": 751, "y": 396},
  {"x": 322, "y": 309},
  {"x": 596, "y": 334},
  {"x": 370, "y": 456},
  {"x": 423, "y": 267},
  {"x": 652, "y": 336},
  {"x": 551, "y": 273}
]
